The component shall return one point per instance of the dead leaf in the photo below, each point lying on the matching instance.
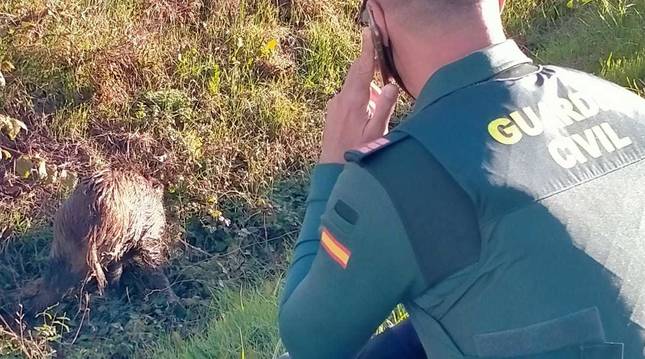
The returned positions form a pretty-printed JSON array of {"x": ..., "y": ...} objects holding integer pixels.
[
  {"x": 269, "y": 47},
  {"x": 7, "y": 66},
  {"x": 4, "y": 154},
  {"x": 11, "y": 126},
  {"x": 42, "y": 170},
  {"x": 52, "y": 174},
  {"x": 24, "y": 166}
]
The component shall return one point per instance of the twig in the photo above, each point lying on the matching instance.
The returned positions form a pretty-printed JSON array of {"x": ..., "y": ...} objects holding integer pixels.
[
  {"x": 264, "y": 227},
  {"x": 80, "y": 326},
  {"x": 197, "y": 249},
  {"x": 84, "y": 306},
  {"x": 261, "y": 242},
  {"x": 4, "y": 322},
  {"x": 239, "y": 249},
  {"x": 9, "y": 17},
  {"x": 22, "y": 329},
  {"x": 10, "y": 150}
]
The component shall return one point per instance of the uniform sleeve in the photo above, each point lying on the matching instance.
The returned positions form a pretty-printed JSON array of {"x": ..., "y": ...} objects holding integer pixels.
[
  {"x": 365, "y": 266},
  {"x": 323, "y": 179}
]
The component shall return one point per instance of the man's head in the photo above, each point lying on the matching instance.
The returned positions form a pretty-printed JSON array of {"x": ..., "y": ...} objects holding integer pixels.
[
  {"x": 440, "y": 10},
  {"x": 424, "y": 35}
]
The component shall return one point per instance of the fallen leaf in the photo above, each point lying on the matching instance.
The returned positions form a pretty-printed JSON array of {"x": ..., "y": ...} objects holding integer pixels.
[
  {"x": 4, "y": 154},
  {"x": 11, "y": 126},
  {"x": 7, "y": 66},
  {"x": 3, "y": 83},
  {"x": 24, "y": 166},
  {"x": 52, "y": 174},
  {"x": 42, "y": 170},
  {"x": 269, "y": 47}
]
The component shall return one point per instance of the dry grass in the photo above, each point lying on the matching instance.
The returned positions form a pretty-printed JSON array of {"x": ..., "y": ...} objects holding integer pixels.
[
  {"x": 179, "y": 88},
  {"x": 17, "y": 339}
]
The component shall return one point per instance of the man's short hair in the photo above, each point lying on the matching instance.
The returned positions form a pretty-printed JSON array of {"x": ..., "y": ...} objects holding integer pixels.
[{"x": 428, "y": 9}]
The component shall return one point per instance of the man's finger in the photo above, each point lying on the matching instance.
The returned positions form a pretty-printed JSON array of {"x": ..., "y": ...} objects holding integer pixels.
[
  {"x": 375, "y": 92},
  {"x": 361, "y": 72},
  {"x": 385, "y": 105}
]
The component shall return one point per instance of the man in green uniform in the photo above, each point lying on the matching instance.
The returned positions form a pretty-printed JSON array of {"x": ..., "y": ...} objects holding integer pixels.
[{"x": 507, "y": 212}]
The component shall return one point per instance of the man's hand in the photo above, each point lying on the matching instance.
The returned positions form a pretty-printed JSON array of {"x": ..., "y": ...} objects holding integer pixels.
[{"x": 360, "y": 113}]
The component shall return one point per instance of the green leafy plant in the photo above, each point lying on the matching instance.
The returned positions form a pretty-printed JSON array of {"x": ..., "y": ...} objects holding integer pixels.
[{"x": 53, "y": 326}]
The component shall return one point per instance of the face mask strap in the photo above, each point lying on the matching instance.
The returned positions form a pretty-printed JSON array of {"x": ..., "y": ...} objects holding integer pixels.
[
  {"x": 395, "y": 73},
  {"x": 363, "y": 20}
]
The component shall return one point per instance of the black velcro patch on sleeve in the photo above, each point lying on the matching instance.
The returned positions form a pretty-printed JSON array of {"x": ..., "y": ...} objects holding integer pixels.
[{"x": 346, "y": 212}]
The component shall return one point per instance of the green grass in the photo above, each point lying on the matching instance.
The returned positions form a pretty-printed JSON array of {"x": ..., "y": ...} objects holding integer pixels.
[
  {"x": 601, "y": 36},
  {"x": 223, "y": 102},
  {"x": 243, "y": 327},
  {"x": 629, "y": 71}
]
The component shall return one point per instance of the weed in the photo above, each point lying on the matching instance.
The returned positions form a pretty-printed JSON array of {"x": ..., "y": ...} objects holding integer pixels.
[
  {"x": 53, "y": 326},
  {"x": 243, "y": 327},
  {"x": 16, "y": 340},
  {"x": 328, "y": 53}
]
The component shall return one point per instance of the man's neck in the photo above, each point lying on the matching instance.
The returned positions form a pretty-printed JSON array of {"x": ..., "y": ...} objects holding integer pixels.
[{"x": 439, "y": 48}]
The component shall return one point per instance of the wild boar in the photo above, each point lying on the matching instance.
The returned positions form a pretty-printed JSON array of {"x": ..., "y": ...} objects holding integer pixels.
[{"x": 112, "y": 221}]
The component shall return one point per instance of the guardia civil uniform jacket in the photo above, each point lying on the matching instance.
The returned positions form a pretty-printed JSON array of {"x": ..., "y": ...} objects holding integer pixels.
[{"x": 506, "y": 212}]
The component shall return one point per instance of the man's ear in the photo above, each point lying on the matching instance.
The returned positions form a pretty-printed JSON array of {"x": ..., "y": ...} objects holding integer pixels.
[{"x": 379, "y": 18}]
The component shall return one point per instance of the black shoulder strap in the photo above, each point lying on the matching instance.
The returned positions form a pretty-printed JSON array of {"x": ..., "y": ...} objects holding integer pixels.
[{"x": 438, "y": 216}]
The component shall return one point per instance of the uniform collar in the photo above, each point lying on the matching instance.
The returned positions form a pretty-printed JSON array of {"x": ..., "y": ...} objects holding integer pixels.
[{"x": 474, "y": 68}]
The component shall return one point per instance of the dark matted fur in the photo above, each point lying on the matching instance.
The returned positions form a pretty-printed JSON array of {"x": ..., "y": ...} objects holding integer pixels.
[{"x": 112, "y": 219}]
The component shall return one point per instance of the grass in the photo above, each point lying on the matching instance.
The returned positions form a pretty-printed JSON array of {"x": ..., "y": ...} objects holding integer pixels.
[
  {"x": 244, "y": 327},
  {"x": 602, "y": 37},
  {"x": 223, "y": 102}
]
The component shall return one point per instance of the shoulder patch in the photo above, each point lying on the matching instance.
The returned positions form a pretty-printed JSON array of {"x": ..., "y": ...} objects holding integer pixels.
[
  {"x": 338, "y": 252},
  {"x": 368, "y": 149}
]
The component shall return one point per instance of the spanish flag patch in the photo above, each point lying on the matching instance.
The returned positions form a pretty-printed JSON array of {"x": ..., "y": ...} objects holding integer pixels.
[{"x": 338, "y": 252}]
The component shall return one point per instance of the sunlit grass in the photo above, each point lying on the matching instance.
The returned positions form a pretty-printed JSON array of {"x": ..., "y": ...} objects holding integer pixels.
[
  {"x": 243, "y": 327},
  {"x": 593, "y": 33},
  {"x": 629, "y": 71}
]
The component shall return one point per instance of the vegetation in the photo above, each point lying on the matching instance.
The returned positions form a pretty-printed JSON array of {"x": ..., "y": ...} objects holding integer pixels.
[
  {"x": 223, "y": 102},
  {"x": 243, "y": 328}
]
